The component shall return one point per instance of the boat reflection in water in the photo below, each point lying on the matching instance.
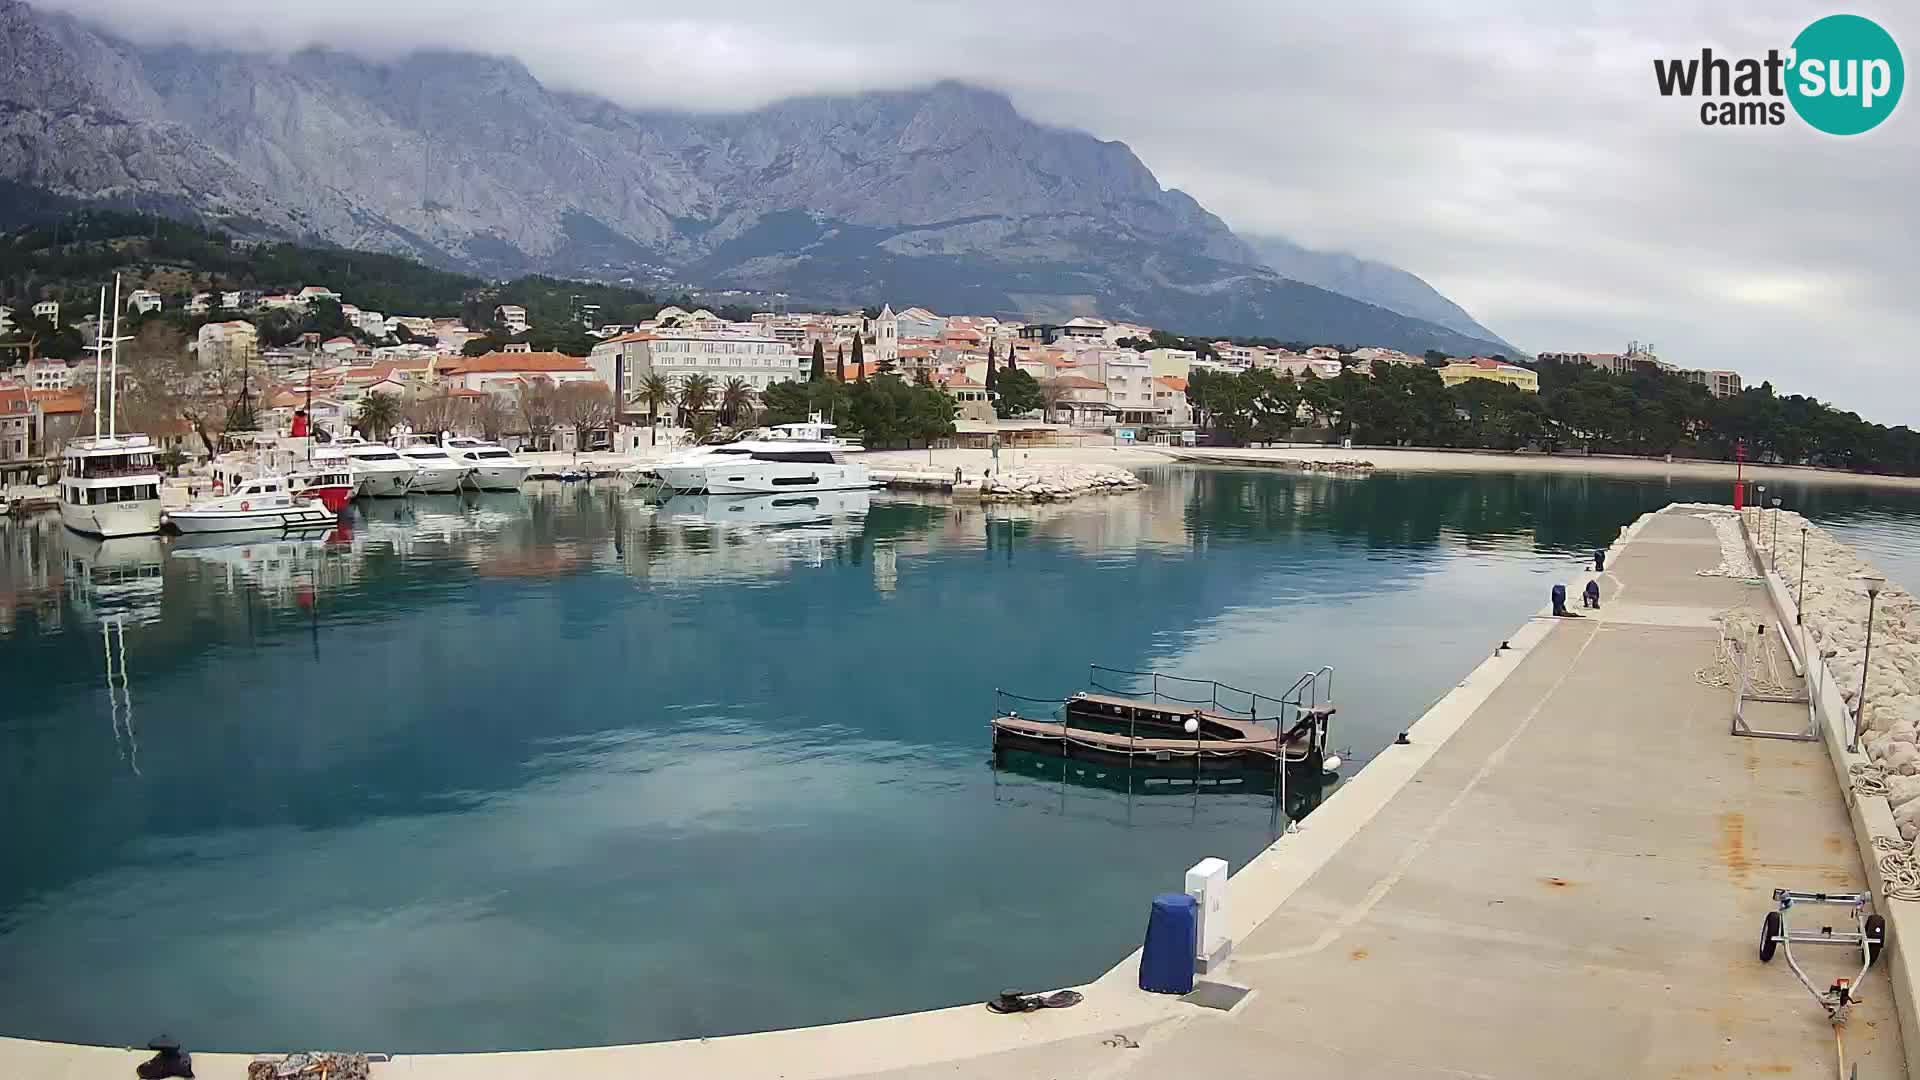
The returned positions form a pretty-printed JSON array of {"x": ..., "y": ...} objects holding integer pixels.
[
  {"x": 774, "y": 510},
  {"x": 117, "y": 579},
  {"x": 1305, "y": 787}
]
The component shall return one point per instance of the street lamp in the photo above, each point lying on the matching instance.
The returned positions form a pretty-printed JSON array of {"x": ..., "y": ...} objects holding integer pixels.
[
  {"x": 1800, "y": 595},
  {"x": 1874, "y": 585},
  {"x": 1773, "y": 541},
  {"x": 1759, "y": 503}
]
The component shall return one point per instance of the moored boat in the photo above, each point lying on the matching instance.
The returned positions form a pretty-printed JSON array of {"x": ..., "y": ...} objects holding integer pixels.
[
  {"x": 109, "y": 483},
  {"x": 491, "y": 467},
  {"x": 378, "y": 469},
  {"x": 790, "y": 458},
  {"x": 263, "y": 502},
  {"x": 435, "y": 470}
]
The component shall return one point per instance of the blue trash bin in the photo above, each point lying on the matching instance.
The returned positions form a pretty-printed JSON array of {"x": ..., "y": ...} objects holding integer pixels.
[{"x": 1166, "y": 963}]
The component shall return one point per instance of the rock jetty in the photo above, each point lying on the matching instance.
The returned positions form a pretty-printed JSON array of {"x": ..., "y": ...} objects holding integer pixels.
[
  {"x": 1048, "y": 483},
  {"x": 1835, "y": 610},
  {"x": 1334, "y": 467}
]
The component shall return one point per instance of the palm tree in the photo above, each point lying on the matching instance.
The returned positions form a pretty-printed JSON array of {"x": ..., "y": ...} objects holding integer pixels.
[
  {"x": 735, "y": 397},
  {"x": 696, "y": 393},
  {"x": 658, "y": 394},
  {"x": 378, "y": 413}
]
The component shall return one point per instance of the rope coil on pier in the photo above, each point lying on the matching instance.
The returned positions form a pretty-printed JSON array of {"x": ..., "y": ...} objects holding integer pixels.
[
  {"x": 1723, "y": 670},
  {"x": 1899, "y": 874},
  {"x": 1869, "y": 779}
]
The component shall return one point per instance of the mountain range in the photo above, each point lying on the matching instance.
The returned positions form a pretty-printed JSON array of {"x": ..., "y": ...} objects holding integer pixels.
[{"x": 943, "y": 196}]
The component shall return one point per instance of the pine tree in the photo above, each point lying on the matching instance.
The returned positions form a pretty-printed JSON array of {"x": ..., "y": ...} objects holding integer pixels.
[
  {"x": 859, "y": 362},
  {"x": 993, "y": 377},
  {"x": 840, "y": 362},
  {"x": 819, "y": 361}
]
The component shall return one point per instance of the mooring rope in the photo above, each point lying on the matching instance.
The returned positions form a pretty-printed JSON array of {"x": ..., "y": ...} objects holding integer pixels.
[
  {"x": 1899, "y": 874},
  {"x": 1722, "y": 672},
  {"x": 1869, "y": 779}
]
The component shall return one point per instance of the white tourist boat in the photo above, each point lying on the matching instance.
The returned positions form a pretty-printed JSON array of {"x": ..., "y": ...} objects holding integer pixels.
[
  {"x": 314, "y": 470},
  {"x": 378, "y": 469},
  {"x": 492, "y": 467},
  {"x": 789, "y": 458},
  {"x": 109, "y": 483},
  {"x": 435, "y": 470},
  {"x": 262, "y": 502}
]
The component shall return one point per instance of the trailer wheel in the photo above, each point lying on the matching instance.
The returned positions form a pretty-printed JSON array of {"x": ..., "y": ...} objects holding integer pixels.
[
  {"x": 1769, "y": 935},
  {"x": 1876, "y": 937}
]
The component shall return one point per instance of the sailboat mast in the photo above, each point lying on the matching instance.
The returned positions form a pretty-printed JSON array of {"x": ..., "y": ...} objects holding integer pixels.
[
  {"x": 99, "y": 354},
  {"x": 113, "y": 371}
]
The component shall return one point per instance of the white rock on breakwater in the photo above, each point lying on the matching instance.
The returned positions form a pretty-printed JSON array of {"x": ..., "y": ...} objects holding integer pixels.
[
  {"x": 1835, "y": 611},
  {"x": 1045, "y": 483}
]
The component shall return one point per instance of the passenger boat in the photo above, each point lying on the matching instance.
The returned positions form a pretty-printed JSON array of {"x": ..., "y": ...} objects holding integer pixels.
[
  {"x": 435, "y": 470},
  {"x": 491, "y": 467},
  {"x": 263, "y": 502},
  {"x": 318, "y": 471},
  {"x": 378, "y": 469},
  {"x": 109, "y": 483},
  {"x": 790, "y": 458}
]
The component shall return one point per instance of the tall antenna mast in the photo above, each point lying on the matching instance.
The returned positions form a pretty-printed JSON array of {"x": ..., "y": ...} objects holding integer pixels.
[
  {"x": 113, "y": 373},
  {"x": 99, "y": 348}
]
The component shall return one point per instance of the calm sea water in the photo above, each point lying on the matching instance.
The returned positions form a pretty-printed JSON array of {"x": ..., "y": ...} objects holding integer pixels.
[{"x": 567, "y": 768}]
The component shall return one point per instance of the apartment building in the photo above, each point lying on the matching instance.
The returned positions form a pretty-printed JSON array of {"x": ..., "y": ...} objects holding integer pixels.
[
  {"x": 747, "y": 352},
  {"x": 227, "y": 345}
]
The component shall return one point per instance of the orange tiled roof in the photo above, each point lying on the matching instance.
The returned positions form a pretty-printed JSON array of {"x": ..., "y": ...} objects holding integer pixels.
[
  {"x": 1174, "y": 381},
  {"x": 60, "y": 402},
  {"x": 501, "y": 362},
  {"x": 1079, "y": 382}
]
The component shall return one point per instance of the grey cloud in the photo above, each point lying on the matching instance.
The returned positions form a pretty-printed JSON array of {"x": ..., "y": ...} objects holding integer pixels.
[{"x": 1513, "y": 153}]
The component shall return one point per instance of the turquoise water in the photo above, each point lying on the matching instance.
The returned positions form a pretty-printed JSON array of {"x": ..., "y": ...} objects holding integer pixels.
[{"x": 565, "y": 768}]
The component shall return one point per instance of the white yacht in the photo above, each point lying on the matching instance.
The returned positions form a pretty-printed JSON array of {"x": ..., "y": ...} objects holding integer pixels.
[
  {"x": 435, "y": 471},
  {"x": 790, "y": 458},
  {"x": 378, "y": 469},
  {"x": 264, "y": 502},
  {"x": 492, "y": 466},
  {"x": 109, "y": 483}
]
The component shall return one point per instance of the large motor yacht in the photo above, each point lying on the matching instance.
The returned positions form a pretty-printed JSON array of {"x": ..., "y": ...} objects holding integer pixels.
[
  {"x": 493, "y": 467},
  {"x": 109, "y": 483},
  {"x": 435, "y": 470},
  {"x": 378, "y": 469},
  {"x": 789, "y": 458}
]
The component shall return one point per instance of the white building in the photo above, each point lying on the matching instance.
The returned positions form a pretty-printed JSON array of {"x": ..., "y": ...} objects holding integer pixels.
[
  {"x": 917, "y": 322},
  {"x": 143, "y": 301},
  {"x": 513, "y": 317},
  {"x": 48, "y": 310},
  {"x": 1170, "y": 400},
  {"x": 748, "y": 353},
  {"x": 6, "y": 319},
  {"x": 45, "y": 374},
  {"x": 315, "y": 292},
  {"x": 886, "y": 335}
]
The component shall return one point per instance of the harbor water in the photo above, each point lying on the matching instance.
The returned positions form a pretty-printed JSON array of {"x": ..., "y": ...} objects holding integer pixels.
[{"x": 569, "y": 768}]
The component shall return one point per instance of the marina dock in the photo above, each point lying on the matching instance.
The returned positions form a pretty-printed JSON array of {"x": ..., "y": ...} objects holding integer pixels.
[{"x": 1562, "y": 871}]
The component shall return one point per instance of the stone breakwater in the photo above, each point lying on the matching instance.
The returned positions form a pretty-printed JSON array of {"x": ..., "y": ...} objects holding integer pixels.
[
  {"x": 1046, "y": 483},
  {"x": 1835, "y": 611}
]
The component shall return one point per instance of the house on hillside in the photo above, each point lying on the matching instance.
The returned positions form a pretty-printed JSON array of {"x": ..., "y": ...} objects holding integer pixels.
[
  {"x": 48, "y": 310},
  {"x": 513, "y": 317},
  {"x": 1481, "y": 367},
  {"x": 143, "y": 301}
]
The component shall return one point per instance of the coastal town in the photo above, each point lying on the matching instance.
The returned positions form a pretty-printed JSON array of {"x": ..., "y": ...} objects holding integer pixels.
[{"x": 1020, "y": 383}]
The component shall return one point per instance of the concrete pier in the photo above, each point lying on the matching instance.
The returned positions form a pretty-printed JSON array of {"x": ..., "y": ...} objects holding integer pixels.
[{"x": 1562, "y": 873}]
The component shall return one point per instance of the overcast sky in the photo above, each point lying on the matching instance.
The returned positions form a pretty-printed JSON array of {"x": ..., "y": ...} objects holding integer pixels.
[{"x": 1512, "y": 152}]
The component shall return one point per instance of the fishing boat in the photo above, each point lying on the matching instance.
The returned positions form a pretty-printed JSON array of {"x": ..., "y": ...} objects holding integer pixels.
[
  {"x": 263, "y": 502},
  {"x": 313, "y": 470},
  {"x": 109, "y": 482}
]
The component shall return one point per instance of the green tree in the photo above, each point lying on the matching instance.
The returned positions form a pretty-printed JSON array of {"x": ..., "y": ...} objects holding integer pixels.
[
  {"x": 377, "y": 415},
  {"x": 658, "y": 394},
  {"x": 840, "y": 362},
  {"x": 859, "y": 361},
  {"x": 736, "y": 398},
  {"x": 696, "y": 394},
  {"x": 1018, "y": 394},
  {"x": 993, "y": 376},
  {"x": 819, "y": 361}
]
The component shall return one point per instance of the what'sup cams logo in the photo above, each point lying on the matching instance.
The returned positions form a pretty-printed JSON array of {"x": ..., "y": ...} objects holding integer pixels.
[{"x": 1843, "y": 76}]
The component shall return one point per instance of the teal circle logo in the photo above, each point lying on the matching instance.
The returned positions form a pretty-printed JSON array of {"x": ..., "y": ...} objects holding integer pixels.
[{"x": 1846, "y": 75}]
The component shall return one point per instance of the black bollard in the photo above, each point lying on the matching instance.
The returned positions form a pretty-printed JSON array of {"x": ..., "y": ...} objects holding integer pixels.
[
  {"x": 1559, "y": 599},
  {"x": 1599, "y": 560},
  {"x": 168, "y": 1060}
]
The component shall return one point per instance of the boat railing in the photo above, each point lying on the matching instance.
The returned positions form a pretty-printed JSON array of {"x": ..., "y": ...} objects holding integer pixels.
[{"x": 1163, "y": 687}]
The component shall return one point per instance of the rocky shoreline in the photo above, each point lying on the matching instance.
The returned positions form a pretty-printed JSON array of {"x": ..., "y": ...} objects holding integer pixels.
[
  {"x": 1332, "y": 466},
  {"x": 1835, "y": 611},
  {"x": 1049, "y": 483}
]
